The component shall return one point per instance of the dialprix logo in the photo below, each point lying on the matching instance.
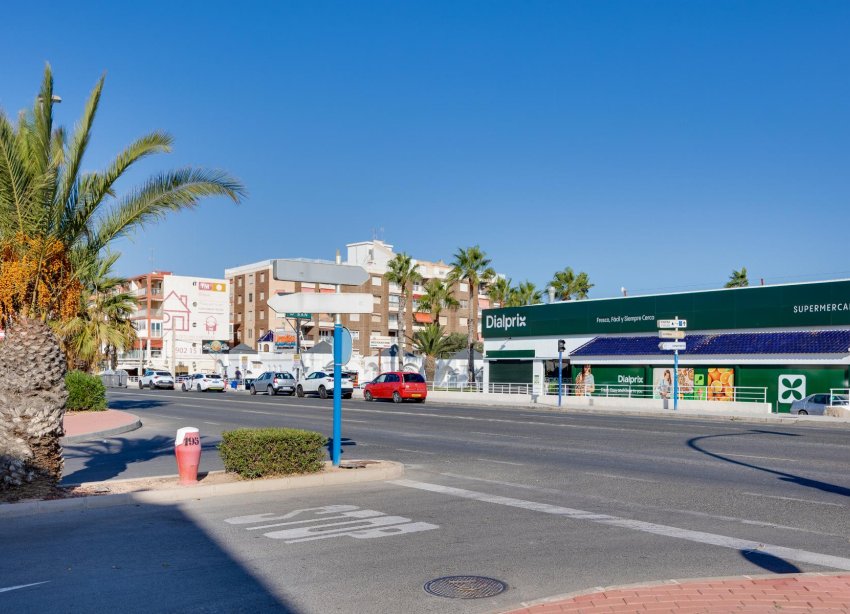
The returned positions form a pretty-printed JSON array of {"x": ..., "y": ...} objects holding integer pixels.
[
  {"x": 791, "y": 387},
  {"x": 505, "y": 322}
]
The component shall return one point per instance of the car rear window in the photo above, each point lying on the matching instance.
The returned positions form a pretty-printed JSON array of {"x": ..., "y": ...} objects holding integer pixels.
[
  {"x": 164, "y": 373},
  {"x": 214, "y": 376},
  {"x": 283, "y": 376},
  {"x": 414, "y": 378}
]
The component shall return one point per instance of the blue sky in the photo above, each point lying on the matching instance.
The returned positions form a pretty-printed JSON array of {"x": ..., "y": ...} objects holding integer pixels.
[{"x": 655, "y": 145}]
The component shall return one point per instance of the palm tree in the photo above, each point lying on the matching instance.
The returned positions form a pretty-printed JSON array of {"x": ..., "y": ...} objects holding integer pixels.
[
  {"x": 738, "y": 279},
  {"x": 498, "y": 291},
  {"x": 402, "y": 271},
  {"x": 568, "y": 285},
  {"x": 103, "y": 326},
  {"x": 438, "y": 296},
  {"x": 524, "y": 294},
  {"x": 472, "y": 266},
  {"x": 56, "y": 221},
  {"x": 433, "y": 343}
]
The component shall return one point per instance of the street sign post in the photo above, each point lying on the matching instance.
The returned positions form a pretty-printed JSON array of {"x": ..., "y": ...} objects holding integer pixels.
[
  {"x": 300, "y": 303},
  {"x": 671, "y": 334},
  {"x": 675, "y": 324},
  {"x": 300, "y": 315},
  {"x": 672, "y": 345}
]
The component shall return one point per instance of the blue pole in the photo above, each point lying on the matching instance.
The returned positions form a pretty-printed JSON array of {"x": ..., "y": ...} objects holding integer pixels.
[
  {"x": 560, "y": 375},
  {"x": 337, "y": 392},
  {"x": 675, "y": 379}
]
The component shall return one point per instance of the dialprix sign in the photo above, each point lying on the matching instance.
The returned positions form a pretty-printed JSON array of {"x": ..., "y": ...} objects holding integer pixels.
[{"x": 809, "y": 304}]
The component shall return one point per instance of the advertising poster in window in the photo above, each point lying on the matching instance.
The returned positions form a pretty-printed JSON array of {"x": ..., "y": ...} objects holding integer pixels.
[
  {"x": 662, "y": 383},
  {"x": 720, "y": 384}
]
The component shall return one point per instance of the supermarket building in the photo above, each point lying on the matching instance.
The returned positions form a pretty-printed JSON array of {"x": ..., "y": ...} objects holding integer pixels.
[{"x": 786, "y": 341}]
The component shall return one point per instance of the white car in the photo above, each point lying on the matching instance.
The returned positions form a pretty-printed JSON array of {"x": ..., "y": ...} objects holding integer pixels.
[
  {"x": 201, "y": 382},
  {"x": 156, "y": 379},
  {"x": 322, "y": 383}
]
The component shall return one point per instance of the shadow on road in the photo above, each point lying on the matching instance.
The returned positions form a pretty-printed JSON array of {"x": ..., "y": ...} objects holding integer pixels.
[
  {"x": 785, "y": 477},
  {"x": 126, "y": 405},
  {"x": 769, "y": 562}
]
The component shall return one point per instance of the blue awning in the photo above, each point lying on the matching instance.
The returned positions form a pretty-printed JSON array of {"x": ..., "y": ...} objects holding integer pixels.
[{"x": 799, "y": 342}]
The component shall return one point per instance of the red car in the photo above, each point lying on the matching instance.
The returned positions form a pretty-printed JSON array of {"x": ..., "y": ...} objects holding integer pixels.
[{"x": 398, "y": 386}]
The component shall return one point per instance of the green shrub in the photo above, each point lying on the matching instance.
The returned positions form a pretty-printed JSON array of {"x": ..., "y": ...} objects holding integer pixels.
[
  {"x": 256, "y": 453},
  {"x": 85, "y": 392}
]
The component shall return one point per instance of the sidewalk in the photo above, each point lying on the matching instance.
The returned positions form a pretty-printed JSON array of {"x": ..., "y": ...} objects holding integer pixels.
[
  {"x": 83, "y": 426},
  {"x": 810, "y": 592}
]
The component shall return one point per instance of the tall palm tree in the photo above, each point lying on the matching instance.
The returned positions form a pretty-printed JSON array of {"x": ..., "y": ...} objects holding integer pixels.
[
  {"x": 103, "y": 325},
  {"x": 433, "y": 343},
  {"x": 55, "y": 222},
  {"x": 438, "y": 296},
  {"x": 738, "y": 279},
  {"x": 498, "y": 291},
  {"x": 568, "y": 285},
  {"x": 524, "y": 294},
  {"x": 472, "y": 266},
  {"x": 402, "y": 271}
]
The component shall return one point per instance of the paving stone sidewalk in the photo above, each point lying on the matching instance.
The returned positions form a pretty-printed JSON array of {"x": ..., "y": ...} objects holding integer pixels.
[{"x": 776, "y": 594}]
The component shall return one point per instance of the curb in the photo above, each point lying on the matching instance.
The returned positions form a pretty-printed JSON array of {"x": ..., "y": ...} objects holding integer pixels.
[
  {"x": 126, "y": 428},
  {"x": 385, "y": 470},
  {"x": 557, "y": 599}
]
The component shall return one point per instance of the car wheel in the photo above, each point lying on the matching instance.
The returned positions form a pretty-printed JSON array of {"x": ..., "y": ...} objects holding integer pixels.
[
  {"x": 199, "y": 388},
  {"x": 271, "y": 391},
  {"x": 253, "y": 390},
  {"x": 420, "y": 400},
  {"x": 346, "y": 395},
  {"x": 183, "y": 387},
  {"x": 151, "y": 385},
  {"x": 802, "y": 412},
  {"x": 368, "y": 396},
  {"x": 141, "y": 385},
  {"x": 323, "y": 393},
  {"x": 396, "y": 397},
  {"x": 299, "y": 391}
]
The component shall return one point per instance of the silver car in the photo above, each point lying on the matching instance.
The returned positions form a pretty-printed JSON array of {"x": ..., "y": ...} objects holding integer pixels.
[
  {"x": 816, "y": 404},
  {"x": 274, "y": 382}
]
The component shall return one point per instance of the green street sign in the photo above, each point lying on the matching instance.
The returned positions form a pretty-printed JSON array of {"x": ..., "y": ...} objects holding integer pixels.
[{"x": 300, "y": 316}]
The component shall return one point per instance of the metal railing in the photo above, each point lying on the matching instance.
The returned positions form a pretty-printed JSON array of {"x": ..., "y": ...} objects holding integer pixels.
[
  {"x": 839, "y": 397},
  {"x": 743, "y": 394}
]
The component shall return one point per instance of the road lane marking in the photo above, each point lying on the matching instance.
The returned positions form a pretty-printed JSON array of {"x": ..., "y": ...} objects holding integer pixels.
[
  {"x": 760, "y": 457},
  {"x": 254, "y": 411},
  {"x": 502, "y": 435},
  {"x": 755, "y": 494},
  {"x": 643, "y": 506},
  {"x": 358, "y": 421},
  {"x": 723, "y": 541},
  {"x": 213, "y": 423},
  {"x": 619, "y": 477},
  {"x": 490, "y": 460},
  {"x": 414, "y": 451},
  {"x": 14, "y": 588}
]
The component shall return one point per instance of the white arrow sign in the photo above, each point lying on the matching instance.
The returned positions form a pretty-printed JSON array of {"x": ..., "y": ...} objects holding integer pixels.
[
  {"x": 672, "y": 323},
  {"x": 672, "y": 345},
  {"x": 671, "y": 334},
  {"x": 318, "y": 272},
  {"x": 314, "y": 302}
]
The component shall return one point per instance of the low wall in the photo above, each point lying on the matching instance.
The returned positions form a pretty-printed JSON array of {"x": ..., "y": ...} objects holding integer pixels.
[{"x": 602, "y": 403}]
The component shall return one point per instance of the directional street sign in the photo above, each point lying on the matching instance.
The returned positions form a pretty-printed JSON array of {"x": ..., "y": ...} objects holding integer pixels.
[
  {"x": 671, "y": 334},
  {"x": 672, "y": 345},
  {"x": 350, "y": 302},
  {"x": 300, "y": 315},
  {"x": 318, "y": 272},
  {"x": 346, "y": 346},
  {"x": 672, "y": 323}
]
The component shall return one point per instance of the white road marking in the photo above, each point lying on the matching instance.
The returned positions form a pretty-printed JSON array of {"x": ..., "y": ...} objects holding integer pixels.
[
  {"x": 619, "y": 477},
  {"x": 14, "y": 588},
  {"x": 254, "y": 411},
  {"x": 759, "y": 457},
  {"x": 790, "y": 554},
  {"x": 490, "y": 460},
  {"x": 755, "y": 494},
  {"x": 502, "y": 435},
  {"x": 213, "y": 423},
  {"x": 415, "y": 451},
  {"x": 358, "y": 421}
]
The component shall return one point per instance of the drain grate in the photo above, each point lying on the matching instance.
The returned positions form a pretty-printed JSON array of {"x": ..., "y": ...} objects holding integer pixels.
[{"x": 465, "y": 587}]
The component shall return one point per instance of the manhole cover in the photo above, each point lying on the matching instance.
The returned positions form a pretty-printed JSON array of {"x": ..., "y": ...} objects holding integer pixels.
[{"x": 465, "y": 587}]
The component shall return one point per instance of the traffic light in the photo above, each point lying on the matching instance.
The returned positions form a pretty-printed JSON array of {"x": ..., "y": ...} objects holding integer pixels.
[{"x": 562, "y": 345}]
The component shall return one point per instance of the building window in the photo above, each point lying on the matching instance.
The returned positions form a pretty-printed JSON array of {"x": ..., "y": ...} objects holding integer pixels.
[
  {"x": 464, "y": 287},
  {"x": 250, "y": 333},
  {"x": 239, "y": 300},
  {"x": 262, "y": 277},
  {"x": 325, "y": 334},
  {"x": 238, "y": 317},
  {"x": 355, "y": 335},
  {"x": 461, "y": 322},
  {"x": 464, "y": 304},
  {"x": 444, "y": 321},
  {"x": 376, "y": 299},
  {"x": 262, "y": 315},
  {"x": 376, "y": 281},
  {"x": 240, "y": 282},
  {"x": 394, "y": 300},
  {"x": 355, "y": 317},
  {"x": 376, "y": 318},
  {"x": 262, "y": 296},
  {"x": 156, "y": 329},
  {"x": 250, "y": 297}
]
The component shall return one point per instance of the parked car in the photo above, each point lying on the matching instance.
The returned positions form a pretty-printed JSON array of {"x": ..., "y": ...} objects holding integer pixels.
[
  {"x": 322, "y": 383},
  {"x": 398, "y": 386},
  {"x": 201, "y": 382},
  {"x": 816, "y": 404},
  {"x": 156, "y": 379},
  {"x": 274, "y": 382}
]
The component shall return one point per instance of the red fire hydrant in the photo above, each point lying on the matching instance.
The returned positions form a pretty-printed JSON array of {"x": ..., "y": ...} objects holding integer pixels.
[{"x": 187, "y": 448}]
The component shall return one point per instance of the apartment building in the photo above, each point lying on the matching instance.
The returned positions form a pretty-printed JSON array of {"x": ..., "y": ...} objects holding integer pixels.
[
  {"x": 252, "y": 285},
  {"x": 182, "y": 323}
]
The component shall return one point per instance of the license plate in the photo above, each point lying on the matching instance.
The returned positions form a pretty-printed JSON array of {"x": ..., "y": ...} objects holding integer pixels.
[{"x": 415, "y": 395}]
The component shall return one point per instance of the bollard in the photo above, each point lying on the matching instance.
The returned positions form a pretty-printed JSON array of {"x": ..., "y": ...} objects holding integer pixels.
[{"x": 187, "y": 448}]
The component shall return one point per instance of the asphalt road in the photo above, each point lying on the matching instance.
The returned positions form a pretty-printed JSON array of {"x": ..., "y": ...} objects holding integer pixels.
[{"x": 546, "y": 502}]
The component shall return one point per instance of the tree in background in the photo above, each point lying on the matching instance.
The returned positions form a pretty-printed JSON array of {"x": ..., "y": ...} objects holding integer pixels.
[
  {"x": 472, "y": 266},
  {"x": 738, "y": 279},
  {"x": 438, "y": 296},
  {"x": 56, "y": 222},
  {"x": 569, "y": 286},
  {"x": 402, "y": 271},
  {"x": 498, "y": 291},
  {"x": 433, "y": 343},
  {"x": 524, "y": 294}
]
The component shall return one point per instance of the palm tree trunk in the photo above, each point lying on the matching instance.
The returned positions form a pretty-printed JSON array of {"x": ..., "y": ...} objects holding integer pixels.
[
  {"x": 430, "y": 368},
  {"x": 32, "y": 405},
  {"x": 472, "y": 328},
  {"x": 402, "y": 327}
]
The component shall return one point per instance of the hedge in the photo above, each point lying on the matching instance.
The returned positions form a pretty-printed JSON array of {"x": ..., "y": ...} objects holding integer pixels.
[
  {"x": 257, "y": 453},
  {"x": 85, "y": 392}
]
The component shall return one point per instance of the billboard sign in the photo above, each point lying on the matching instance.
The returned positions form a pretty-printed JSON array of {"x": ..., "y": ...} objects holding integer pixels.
[{"x": 214, "y": 346}]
